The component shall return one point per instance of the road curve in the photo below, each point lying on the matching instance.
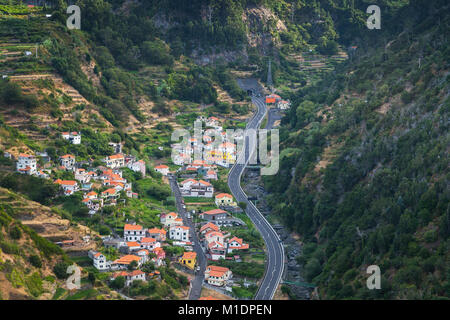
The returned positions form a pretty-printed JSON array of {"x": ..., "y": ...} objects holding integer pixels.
[{"x": 274, "y": 247}]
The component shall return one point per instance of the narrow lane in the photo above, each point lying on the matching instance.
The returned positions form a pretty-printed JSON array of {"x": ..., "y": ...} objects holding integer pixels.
[{"x": 197, "y": 282}]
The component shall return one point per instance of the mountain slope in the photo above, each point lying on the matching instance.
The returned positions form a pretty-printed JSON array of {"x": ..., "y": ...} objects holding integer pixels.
[{"x": 366, "y": 154}]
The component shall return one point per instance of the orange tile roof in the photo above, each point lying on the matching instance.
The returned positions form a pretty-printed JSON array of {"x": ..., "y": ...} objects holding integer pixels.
[
  {"x": 224, "y": 195},
  {"x": 120, "y": 274},
  {"x": 209, "y": 225},
  {"x": 214, "y": 233},
  {"x": 214, "y": 211},
  {"x": 148, "y": 240},
  {"x": 158, "y": 250},
  {"x": 67, "y": 156},
  {"x": 116, "y": 156},
  {"x": 217, "y": 271},
  {"x": 161, "y": 166},
  {"x": 66, "y": 182},
  {"x": 24, "y": 155},
  {"x": 133, "y": 244},
  {"x": 127, "y": 259},
  {"x": 110, "y": 191},
  {"x": 136, "y": 273},
  {"x": 204, "y": 182},
  {"x": 132, "y": 227},
  {"x": 189, "y": 255},
  {"x": 156, "y": 230},
  {"x": 188, "y": 180},
  {"x": 144, "y": 250}
]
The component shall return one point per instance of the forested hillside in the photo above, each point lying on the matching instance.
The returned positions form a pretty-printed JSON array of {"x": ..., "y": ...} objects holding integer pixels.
[
  {"x": 364, "y": 157},
  {"x": 365, "y": 152}
]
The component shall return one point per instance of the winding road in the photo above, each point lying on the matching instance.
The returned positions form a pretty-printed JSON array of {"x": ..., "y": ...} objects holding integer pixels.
[{"x": 274, "y": 247}]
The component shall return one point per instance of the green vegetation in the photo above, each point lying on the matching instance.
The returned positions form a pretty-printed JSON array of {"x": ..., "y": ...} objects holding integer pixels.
[{"x": 381, "y": 197}]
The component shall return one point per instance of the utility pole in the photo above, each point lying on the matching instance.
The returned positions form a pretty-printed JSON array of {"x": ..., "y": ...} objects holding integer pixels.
[{"x": 269, "y": 76}]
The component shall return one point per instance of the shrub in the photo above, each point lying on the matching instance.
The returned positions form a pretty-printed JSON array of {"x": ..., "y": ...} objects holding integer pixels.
[
  {"x": 35, "y": 261},
  {"x": 60, "y": 270},
  {"x": 15, "y": 232}
]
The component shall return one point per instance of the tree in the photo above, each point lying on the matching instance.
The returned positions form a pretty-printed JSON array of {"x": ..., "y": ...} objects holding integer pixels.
[
  {"x": 133, "y": 265},
  {"x": 242, "y": 205},
  {"x": 15, "y": 232},
  {"x": 60, "y": 270},
  {"x": 118, "y": 283},
  {"x": 35, "y": 261},
  {"x": 91, "y": 277},
  {"x": 305, "y": 113}
]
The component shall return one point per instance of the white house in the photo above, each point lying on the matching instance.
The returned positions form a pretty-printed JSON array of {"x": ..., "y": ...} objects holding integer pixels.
[
  {"x": 211, "y": 175},
  {"x": 69, "y": 186},
  {"x": 283, "y": 104},
  {"x": 67, "y": 161},
  {"x": 82, "y": 176},
  {"x": 137, "y": 166},
  {"x": 214, "y": 122},
  {"x": 133, "y": 232},
  {"x": 171, "y": 219},
  {"x": 163, "y": 169},
  {"x": 217, "y": 276},
  {"x": 115, "y": 161},
  {"x": 181, "y": 158},
  {"x": 214, "y": 236},
  {"x": 149, "y": 243},
  {"x": 194, "y": 188},
  {"x": 180, "y": 233},
  {"x": 73, "y": 137},
  {"x": 100, "y": 261},
  {"x": 236, "y": 243},
  {"x": 26, "y": 164}
]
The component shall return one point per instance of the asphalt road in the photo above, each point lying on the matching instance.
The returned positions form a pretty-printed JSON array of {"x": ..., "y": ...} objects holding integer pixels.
[
  {"x": 197, "y": 282},
  {"x": 275, "y": 250}
]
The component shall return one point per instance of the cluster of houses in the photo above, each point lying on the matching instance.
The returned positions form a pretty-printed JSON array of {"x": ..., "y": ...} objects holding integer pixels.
[
  {"x": 214, "y": 275},
  {"x": 108, "y": 176},
  {"x": 276, "y": 100},
  {"x": 138, "y": 246},
  {"x": 215, "y": 146},
  {"x": 219, "y": 244}
]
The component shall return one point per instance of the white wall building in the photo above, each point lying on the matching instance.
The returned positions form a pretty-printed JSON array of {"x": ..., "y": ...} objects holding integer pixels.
[
  {"x": 26, "y": 164},
  {"x": 180, "y": 233},
  {"x": 133, "y": 232}
]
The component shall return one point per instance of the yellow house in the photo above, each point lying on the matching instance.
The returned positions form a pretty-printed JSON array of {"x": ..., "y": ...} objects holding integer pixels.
[
  {"x": 225, "y": 199},
  {"x": 188, "y": 259}
]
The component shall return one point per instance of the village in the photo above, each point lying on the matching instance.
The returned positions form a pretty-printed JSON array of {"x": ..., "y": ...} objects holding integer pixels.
[
  {"x": 101, "y": 186},
  {"x": 141, "y": 245}
]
